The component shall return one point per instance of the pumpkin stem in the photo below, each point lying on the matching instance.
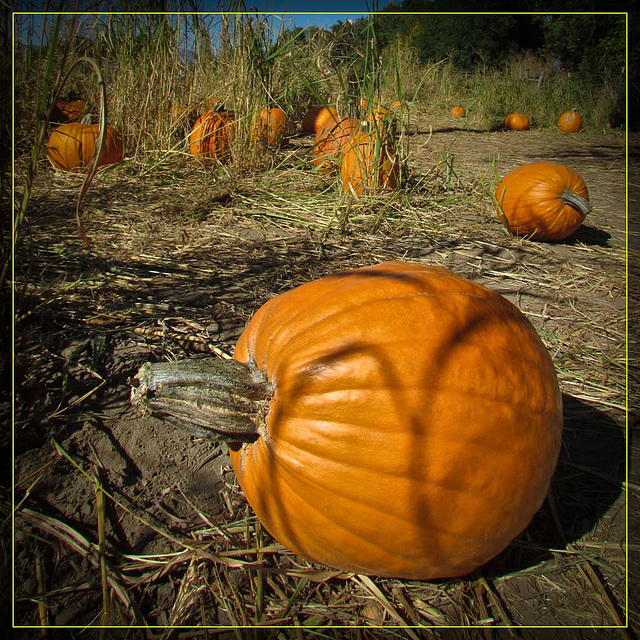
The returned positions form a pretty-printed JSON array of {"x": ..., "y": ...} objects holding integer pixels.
[
  {"x": 216, "y": 399},
  {"x": 577, "y": 202}
]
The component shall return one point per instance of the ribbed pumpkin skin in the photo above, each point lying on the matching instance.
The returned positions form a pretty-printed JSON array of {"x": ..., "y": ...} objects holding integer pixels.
[
  {"x": 212, "y": 135},
  {"x": 268, "y": 125},
  {"x": 70, "y": 146},
  {"x": 458, "y": 112},
  {"x": 368, "y": 163},
  {"x": 317, "y": 116},
  {"x": 415, "y": 424},
  {"x": 529, "y": 198},
  {"x": 516, "y": 122},
  {"x": 330, "y": 141},
  {"x": 570, "y": 122}
]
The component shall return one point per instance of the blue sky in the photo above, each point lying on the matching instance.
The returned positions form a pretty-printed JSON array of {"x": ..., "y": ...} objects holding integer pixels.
[{"x": 321, "y": 14}]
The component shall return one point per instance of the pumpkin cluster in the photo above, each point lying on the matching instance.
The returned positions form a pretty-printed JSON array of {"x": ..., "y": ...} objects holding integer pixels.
[{"x": 360, "y": 150}]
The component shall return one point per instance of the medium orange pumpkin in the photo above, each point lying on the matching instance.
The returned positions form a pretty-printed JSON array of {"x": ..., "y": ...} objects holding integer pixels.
[
  {"x": 397, "y": 420},
  {"x": 542, "y": 201},
  {"x": 570, "y": 122},
  {"x": 66, "y": 111},
  {"x": 458, "y": 112},
  {"x": 316, "y": 116},
  {"x": 368, "y": 163},
  {"x": 330, "y": 142},
  {"x": 70, "y": 146},
  {"x": 267, "y": 127},
  {"x": 212, "y": 135},
  {"x": 516, "y": 122}
]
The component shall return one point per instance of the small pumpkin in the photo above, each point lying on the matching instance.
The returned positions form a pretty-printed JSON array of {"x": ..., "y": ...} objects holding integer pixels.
[
  {"x": 65, "y": 111},
  {"x": 212, "y": 135},
  {"x": 458, "y": 112},
  {"x": 70, "y": 146},
  {"x": 397, "y": 104},
  {"x": 316, "y": 116},
  {"x": 516, "y": 122},
  {"x": 330, "y": 142},
  {"x": 394, "y": 420},
  {"x": 368, "y": 163},
  {"x": 542, "y": 201},
  {"x": 570, "y": 122},
  {"x": 268, "y": 127}
]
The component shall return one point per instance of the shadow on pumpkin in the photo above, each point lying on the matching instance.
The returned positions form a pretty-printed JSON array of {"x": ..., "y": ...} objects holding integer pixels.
[
  {"x": 364, "y": 466},
  {"x": 586, "y": 485}
]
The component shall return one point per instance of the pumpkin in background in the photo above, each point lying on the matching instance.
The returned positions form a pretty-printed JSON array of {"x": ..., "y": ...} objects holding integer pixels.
[
  {"x": 516, "y": 122},
  {"x": 65, "y": 111},
  {"x": 368, "y": 163},
  {"x": 542, "y": 201},
  {"x": 212, "y": 135},
  {"x": 380, "y": 118},
  {"x": 570, "y": 122},
  {"x": 317, "y": 116},
  {"x": 458, "y": 112},
  {"x": 397, "y": 104},
  {"x": 268, "y": 126},
  {"x": 330, "y": 141},
  {"x": 397, "y": 420},
  {"x": 70, "y": 146}
]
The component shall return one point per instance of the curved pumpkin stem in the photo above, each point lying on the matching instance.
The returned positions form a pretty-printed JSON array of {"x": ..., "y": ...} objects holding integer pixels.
[
  {"x": 222, "y": 400},
  {"x": 577, "y": 202}
]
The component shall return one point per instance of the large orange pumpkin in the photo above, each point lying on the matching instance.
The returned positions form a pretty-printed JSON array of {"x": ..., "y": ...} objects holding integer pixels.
[
  {"x": 368, "y": 163},
  {"x": 570, "y": 122},
  {"x": 397, "y": 420},
  {"x": 330, "y": 142},
  {"x": 70, "y": 146},
  {"x": 542, "y": 201},
  {"x": 267, "y": 127},
  {"x": 317, "y": 116},
  {"x": 212, "y": 135},
  {"x": 516, "y": 122}
]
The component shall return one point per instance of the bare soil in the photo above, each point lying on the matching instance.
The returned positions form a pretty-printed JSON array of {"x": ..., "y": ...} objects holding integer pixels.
[{"x": 177, "y": 272}]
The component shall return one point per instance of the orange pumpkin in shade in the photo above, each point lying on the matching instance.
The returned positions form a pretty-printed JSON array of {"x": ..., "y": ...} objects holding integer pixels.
[
  {"x": 70, "y": 146},
  {"x": 458, "y": 112},
  {"x": 516, "y": 122},
  {"x": 268, "y": 126},
  {"x": 330, "y": 141},
  {"x": 368, "y": 164},
  {"x": 542, "y": 201},
  {"x": 317, "y": 116},
  {"x": 395, "y": 420},
  {"x": 212, "y": 136},
  {"x": 570, "y": 122},
  {"x": 65, "y": 111}
]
